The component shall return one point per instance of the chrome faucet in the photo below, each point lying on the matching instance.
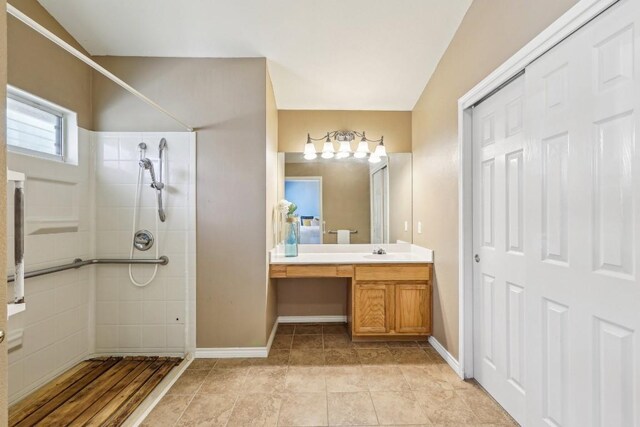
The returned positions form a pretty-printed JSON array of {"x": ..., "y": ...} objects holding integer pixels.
[{"x": 379, "y": 251}]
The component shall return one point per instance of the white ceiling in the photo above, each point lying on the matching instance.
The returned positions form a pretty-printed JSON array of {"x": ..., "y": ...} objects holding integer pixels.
[{"x": 323, "y": 54}]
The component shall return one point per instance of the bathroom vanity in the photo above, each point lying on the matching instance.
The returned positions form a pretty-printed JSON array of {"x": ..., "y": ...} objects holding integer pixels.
[{"x": 389, "y": 296}]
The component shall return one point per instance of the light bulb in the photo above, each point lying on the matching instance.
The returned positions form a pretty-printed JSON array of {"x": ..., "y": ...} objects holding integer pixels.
[
  {"x": 362, "y": 150},
  {"x": 374, "y": 159},
  {"x": 309, "y": 150},
  {"x": 380, "y": 150},
  {"x": 344, "y": 151},
  {"x": 327, "y": 150}
]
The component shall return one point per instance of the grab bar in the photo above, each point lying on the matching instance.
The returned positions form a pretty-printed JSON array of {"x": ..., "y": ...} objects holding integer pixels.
[
  {"x": 78, "y": 262},
  {"x": 350, "y": 231}
]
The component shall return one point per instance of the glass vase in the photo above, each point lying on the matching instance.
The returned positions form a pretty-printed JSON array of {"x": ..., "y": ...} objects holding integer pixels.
[{"x": 291, "y": 237}]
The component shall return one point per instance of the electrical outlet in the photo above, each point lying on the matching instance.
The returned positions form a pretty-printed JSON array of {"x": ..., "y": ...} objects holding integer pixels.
[
  {"x": 406, "y": 226},
  {"x": 419, "y": 227}
]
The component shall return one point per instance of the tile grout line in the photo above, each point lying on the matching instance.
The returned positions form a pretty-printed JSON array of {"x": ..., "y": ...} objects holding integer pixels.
[
  {"x": 194, "y": 395},
  {"x": 324, "y": 378},
  {"x": 236, "y": 399},
  {"x": 374, "y": 407},
  {"x": 324, "y": 367}
]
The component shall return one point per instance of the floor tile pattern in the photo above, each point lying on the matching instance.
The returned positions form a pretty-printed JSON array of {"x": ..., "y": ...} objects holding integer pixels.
[{"x": 315, "y": 376}]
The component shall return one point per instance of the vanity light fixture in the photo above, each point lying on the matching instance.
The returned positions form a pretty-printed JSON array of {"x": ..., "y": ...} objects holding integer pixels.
[{"x": 344, "y": 139}]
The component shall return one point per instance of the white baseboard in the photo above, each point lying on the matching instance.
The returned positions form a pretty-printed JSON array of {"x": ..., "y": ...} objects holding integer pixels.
[
  {"x": 312, "y": 319},
  {"x": 272, "y": 336},
  {"x": 455, "y": 365},
  {"x": 230, "y": 352},
  {"x": 237, "y": 352}
]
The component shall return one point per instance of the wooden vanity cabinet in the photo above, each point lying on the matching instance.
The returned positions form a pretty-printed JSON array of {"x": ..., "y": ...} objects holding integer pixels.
[
  {"x": 384, "y": 301},
  {"x": 397, "y": 304}
]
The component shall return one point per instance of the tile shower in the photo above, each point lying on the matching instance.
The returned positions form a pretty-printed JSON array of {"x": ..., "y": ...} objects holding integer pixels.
[{"x": 89, "y": 210}]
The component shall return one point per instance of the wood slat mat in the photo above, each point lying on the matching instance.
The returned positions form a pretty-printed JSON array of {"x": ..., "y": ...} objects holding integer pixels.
[{"x": 97, "y": 392}]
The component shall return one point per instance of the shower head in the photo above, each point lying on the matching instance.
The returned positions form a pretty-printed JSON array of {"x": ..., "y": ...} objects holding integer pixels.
[{"x": 146, "y": 164}]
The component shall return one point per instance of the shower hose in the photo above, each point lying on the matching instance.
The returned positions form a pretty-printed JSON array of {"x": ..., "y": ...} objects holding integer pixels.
[{"x": 133, "y": 233}]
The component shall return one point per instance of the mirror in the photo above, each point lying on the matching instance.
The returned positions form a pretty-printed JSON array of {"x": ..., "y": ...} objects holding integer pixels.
[{"x": 349, "y": 200}]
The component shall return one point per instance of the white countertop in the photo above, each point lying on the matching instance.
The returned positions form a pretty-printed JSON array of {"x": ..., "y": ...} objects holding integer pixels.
[{"x": 398, "y": 253}]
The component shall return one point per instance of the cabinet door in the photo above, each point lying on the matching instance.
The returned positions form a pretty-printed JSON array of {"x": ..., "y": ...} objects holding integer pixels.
[
  {"x": 371, "y": 305},
  {"x": 412, "y": 308}
]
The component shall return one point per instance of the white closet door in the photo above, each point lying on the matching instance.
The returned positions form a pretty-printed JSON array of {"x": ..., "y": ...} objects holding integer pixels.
[
  {"x": 582, "y": 233},
  {"x": 557, "y": 232},
  {"x": 500, "y": 289}
]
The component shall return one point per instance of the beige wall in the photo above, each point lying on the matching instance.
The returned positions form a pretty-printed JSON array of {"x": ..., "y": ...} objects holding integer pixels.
[
  {"x": 225, "y": 99},
  {"x": 345, "y": 196},
  {"x": 38, "y": 66},
  {"x": 4, "y": 386},
  {"x": 272, "y": 198},
  {"x": 293, "y": 126},
  {"x": 312, "y": 297},
  {"x": 491, "y": 32}
]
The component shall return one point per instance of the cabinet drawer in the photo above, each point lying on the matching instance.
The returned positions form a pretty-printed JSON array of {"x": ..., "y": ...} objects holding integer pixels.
[
  {"x": 310, "y": 270},
  {"x": 278, "y": 271},
  {"x": 393, "y": 272}
]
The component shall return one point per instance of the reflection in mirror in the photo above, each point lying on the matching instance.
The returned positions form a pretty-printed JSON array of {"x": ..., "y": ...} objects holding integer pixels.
[{"x": 349, "y": 200}]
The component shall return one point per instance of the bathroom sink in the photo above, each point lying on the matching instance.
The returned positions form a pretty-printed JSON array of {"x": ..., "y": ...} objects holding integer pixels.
[{"x": 382, "y": 256}]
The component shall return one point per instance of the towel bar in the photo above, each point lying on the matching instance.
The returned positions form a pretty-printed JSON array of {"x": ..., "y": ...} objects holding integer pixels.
[{"x": 336, "y": 232}]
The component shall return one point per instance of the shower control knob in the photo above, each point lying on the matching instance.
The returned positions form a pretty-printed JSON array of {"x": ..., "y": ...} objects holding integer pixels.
[
  {"x": 477, "y": 258},
  {"x": 143, "y": 240}
]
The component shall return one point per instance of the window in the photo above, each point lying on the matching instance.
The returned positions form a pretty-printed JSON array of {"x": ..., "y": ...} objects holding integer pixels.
[{"x": 33, "y": 128}]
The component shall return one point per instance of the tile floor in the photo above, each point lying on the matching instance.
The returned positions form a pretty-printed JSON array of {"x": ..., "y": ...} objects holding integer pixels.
[{"x": 315, "y": 376}]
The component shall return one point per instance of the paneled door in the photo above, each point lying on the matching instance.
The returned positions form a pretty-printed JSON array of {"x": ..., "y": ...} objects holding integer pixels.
[
  {"x": 499, "y": 283},
  {"x": 582, "y": 234},
  {"x": 371, "y": 311},
  {"x": 413, "y": 313},
  {"x": 557, "y": 232}
]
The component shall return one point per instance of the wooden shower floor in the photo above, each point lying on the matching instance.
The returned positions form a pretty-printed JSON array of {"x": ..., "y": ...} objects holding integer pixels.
[{"x": 96, "y": 392}]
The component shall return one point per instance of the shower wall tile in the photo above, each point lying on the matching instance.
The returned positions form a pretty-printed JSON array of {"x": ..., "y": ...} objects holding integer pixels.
[
  {"x": 154, "y": 336},
  {"x": 56, "y": 324},
  {"x": 107, "y": 336},
  {"x": 73, "y": 314},
  {"x": 107, "y": 312},
  {"x": 145, "y": 318},
  {"x": 129, "y": 337},
  {"x": 153, "y": 313}
]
